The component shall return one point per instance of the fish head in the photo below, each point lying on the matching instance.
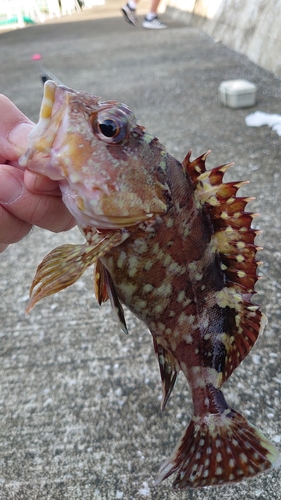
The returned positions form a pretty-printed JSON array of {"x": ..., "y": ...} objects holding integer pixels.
[{"x": 110, "y": 171}]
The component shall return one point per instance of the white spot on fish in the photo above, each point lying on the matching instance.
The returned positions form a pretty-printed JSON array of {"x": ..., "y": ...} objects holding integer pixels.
[
  {"x": 141, "y": 303},
  {"x": 121, "y": 259},
  {"x": 241, "y": 274},
  {"x": 182, "y": 318},
  {"x": 181, "y": 295},
  {"x": 228, "y": 297},
  {"x": 240, "y": 245},
  {"x": 174, "y": 267},
  {"x": 161, "y": 327},
  {"x": 167, "y": 260},
  {"x": 148, "y": 265},
  {"x": 243, "y": 457},
  {"x": 164, "y": 290},
  {"x": 188, "y": 339},
  {"x": 133, "y": 266},
  {"x": 192, "y": 266},
  {"x": 240, "y": 258},
  {"x": 190, "y": 319},
  {"x": 159, "y": 308},
  {"x": 128, "y": 289},
  {"x": 140, "y": 245}
]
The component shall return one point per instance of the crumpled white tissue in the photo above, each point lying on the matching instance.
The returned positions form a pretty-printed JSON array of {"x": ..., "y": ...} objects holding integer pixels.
[{"x": 259, "y": 118}]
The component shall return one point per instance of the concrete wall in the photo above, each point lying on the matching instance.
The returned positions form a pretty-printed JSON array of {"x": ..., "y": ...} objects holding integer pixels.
[{"x": 251, "y": 27}]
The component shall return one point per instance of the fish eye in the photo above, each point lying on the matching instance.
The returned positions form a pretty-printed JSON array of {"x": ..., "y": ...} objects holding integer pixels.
[{"x": 111, "y": 126}]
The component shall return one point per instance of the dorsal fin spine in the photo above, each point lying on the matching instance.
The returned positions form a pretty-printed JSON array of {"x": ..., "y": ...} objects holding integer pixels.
[{"x": 233, "y": 237}]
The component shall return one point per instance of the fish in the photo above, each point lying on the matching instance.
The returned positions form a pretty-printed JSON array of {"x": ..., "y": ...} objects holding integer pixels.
[{"x": 173, "y": 243}]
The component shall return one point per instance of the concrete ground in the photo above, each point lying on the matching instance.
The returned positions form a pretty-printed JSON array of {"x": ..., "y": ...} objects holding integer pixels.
[{"x": 79, "y": 400}]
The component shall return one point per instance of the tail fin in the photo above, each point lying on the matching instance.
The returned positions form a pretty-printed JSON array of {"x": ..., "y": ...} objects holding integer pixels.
[{"x": 217, "y": 449}]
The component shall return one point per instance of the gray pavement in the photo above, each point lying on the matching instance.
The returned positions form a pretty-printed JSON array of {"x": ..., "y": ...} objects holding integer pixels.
[{"x": 79, "y": 400}]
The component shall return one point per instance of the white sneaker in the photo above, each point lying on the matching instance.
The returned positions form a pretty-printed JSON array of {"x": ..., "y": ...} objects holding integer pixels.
[
  {"x": 129, "y": 14},
  {"x": 153, "y": 24}
]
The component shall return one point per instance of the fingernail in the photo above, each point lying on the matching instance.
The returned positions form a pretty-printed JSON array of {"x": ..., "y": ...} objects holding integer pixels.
[
  {"x": 18, "y": 135},
  {"x": 10, "y": 189}
]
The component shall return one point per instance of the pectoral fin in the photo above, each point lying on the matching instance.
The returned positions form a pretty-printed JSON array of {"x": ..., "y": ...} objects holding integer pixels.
[{"x": 65, "y": 264}]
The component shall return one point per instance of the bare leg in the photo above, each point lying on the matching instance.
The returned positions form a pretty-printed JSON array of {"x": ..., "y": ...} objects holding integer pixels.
[{"x": 154, "y": 6}]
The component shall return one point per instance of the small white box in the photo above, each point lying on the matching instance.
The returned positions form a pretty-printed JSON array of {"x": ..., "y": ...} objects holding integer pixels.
[{"x": 237, "y": 93}]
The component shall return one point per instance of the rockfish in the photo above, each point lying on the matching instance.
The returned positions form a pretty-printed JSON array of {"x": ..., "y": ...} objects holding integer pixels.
[{"x": 173, "y": 243}]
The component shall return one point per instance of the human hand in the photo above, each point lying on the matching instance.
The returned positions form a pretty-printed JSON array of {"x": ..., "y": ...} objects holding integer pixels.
[{"x": 26, "y": 198}]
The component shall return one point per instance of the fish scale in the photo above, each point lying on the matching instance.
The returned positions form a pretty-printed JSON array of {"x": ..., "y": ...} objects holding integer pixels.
[{"x": 173, "y": 243}]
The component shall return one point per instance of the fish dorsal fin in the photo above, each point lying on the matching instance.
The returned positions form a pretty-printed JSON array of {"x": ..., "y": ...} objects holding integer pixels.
[
  {"x": 233, "y": 242},
  {"x": 196, "y": 167},
  {"x": 233, "y": 236}
]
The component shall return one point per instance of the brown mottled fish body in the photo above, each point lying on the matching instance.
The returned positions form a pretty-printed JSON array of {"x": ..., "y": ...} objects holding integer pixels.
[{"x": 174, "y": 244}]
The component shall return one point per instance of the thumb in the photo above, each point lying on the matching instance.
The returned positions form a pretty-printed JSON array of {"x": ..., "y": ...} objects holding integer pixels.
[{"x": 14, "y": 129}]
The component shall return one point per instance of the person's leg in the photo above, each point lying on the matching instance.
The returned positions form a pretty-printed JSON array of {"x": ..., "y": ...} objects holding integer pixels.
[{"x": 154, "y": 6}]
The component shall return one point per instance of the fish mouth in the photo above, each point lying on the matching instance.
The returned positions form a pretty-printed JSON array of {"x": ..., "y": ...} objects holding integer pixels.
[{"x": 38, "y": 157}]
